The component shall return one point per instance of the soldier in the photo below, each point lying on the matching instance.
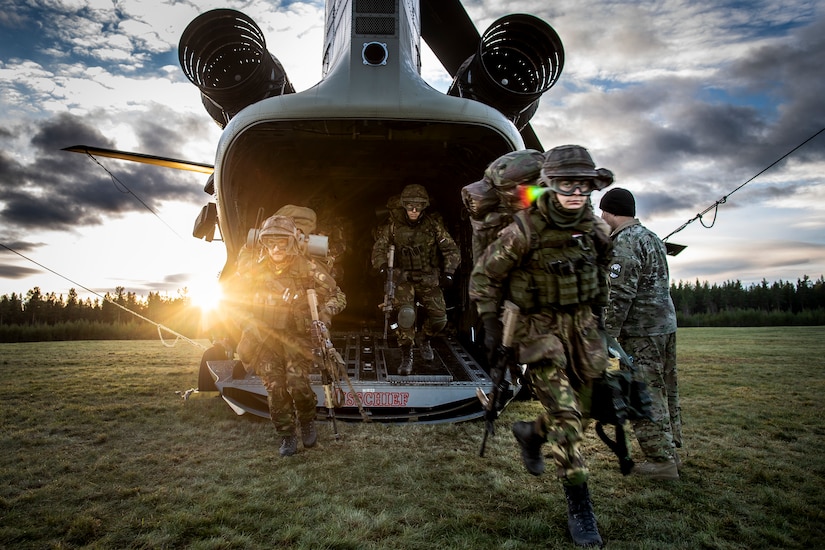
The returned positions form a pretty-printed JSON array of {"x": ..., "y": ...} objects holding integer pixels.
[
  {"x": 502, "y": 191},
  {"x": 552, "y": 263},
  {"x": 419, "y": 237},
  {"x": 276, "y": 322},
  {"x": 642, "y": 318}
]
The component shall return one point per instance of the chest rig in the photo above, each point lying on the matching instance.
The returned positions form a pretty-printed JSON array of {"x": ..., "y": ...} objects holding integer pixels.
[
  {"x": 415, "y": 247},
  {"x": 280, "y": 300},
  {"x": 560, "y": 269}
]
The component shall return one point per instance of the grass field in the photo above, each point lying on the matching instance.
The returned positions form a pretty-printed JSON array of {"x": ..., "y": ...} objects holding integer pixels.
[{"x": 99, "y": 452}]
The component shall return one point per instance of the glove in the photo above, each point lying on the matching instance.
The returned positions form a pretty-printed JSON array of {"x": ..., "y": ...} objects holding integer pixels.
[
  {"x": 331, "y": 307},
  {"x": 492, "y": 333},
  {"x": 445, "y": 280},
  {"x": 382, "y": 271}
]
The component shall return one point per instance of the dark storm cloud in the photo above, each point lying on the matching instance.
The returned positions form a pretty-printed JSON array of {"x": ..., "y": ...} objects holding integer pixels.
[
  {"x": 12, "y": 251},
  {"x": 17, "y": 271},
  {"x": 60, "y": 190}
]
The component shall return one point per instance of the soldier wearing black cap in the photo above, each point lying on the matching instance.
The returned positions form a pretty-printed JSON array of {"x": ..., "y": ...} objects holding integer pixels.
[{"x": 642, "y": 318}]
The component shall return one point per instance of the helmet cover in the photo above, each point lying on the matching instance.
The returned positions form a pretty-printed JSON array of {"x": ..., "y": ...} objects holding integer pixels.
[
  {"x": 573, "y": 162},
  {"x": 280, "y": 233},
  {"x": 415, "y": 195}
]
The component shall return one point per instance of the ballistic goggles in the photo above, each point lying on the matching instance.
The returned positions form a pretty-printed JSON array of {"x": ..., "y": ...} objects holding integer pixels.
[
  {"x": 415, "y": 206},
  {"x": 568, "y": 187},
  {"x": 279, "y": 242}
]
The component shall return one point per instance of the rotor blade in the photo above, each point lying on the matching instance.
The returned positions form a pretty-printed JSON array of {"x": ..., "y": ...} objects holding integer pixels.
[
  {"x": 449, "y": 32},
  {"x": 144, "y": 159},
  {"x": 531, "y": 140}
]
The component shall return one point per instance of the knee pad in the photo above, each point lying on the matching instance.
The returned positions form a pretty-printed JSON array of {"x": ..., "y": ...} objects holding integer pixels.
[{"x": 406, "y": 317}]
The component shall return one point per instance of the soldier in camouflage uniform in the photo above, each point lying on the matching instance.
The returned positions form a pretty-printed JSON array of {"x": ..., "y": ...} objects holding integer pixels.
[
  {"x": 276, "y": 322},
  {"x": 502, "y": 192},
  {"x": 552, "y": 263},
  {"x": 419, "y": 238},
  {"x": 642, "y": 318}
]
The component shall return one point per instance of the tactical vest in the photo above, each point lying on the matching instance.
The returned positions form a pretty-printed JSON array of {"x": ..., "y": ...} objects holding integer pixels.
[
  {"x": 415, "y": 246},
  {"x": 280, "y": 302},
  {"x": 559, "y": 270}
]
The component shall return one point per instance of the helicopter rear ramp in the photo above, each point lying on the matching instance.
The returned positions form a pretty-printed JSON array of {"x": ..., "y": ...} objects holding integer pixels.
[{"x": 441, "y": 390}]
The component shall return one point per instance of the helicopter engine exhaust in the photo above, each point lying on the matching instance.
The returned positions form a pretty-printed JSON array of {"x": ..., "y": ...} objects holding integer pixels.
[
  {"x": 519, "y": 58},
  {"x": 223, "y": 52}
]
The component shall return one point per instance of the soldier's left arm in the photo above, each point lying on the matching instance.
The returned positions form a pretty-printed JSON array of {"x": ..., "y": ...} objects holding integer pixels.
[
  {"x": 331, "y": 298},
  {"x": 623, "y": 274}
]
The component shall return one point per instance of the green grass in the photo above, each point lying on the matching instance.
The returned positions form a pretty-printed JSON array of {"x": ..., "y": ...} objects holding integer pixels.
[{"x": 99, "y": 452}]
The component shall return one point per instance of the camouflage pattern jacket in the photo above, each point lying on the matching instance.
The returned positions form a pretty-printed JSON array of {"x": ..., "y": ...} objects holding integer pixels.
[
  {"x": 640, "y": 303},
  {"x": 277, "y": 299},
  {"x": 417, "y": 246},
  {"x": 511, "y": 269}
]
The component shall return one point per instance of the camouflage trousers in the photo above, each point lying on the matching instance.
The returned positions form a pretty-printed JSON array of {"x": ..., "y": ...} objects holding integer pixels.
[
  {"x": 655, "y": 357},
  {"x": 289, "y": 393},
  {"x": 561, "y": 346},
  {"x": 561, "y": 423},
  {"x": 431, "y": 299}
]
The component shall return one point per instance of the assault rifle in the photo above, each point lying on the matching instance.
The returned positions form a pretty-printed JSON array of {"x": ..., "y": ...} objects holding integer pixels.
[
  {"x": 389, "y": 289},
  {"x": 330, "y": 360},
  {"x": 503, "y": 360}
]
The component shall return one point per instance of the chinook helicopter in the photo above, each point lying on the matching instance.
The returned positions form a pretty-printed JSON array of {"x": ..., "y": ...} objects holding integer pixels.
[{"x": 345, "y": 146}]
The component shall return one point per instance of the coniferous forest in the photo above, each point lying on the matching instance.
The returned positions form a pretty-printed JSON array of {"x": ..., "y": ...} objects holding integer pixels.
[{"x": 40, "y": 316}]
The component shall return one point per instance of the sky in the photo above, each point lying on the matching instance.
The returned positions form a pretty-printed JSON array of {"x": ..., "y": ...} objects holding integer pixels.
[{"x": 685, "y": 101}]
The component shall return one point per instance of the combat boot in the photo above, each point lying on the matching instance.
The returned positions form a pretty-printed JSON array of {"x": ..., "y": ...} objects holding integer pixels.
[
  {"x": 405, "y": 368},
  {"x": 289, "y": 445},
  {"x": 530, "y": 443},
  {"x": 309, "y": 435},
  {"x": 668, "y": 470},
  {"x": 581, "y": 521},
  {"x": 426, "y": 349}
]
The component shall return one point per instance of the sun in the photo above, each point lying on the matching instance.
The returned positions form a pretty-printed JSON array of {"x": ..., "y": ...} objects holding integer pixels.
[{"x": 205, "y": 294}]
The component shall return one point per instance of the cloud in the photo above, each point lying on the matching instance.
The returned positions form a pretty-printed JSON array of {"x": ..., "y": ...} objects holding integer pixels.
[
  {"x": 751, "y": 262},
  {"x": 685, "y": 102},
  {"x": 16, "y": 272},
  {"x": 58, "y": 190}
]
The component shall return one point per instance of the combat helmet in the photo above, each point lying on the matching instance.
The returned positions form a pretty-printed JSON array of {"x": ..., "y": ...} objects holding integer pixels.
[
  {"x": 573, "y": 162},
  {"x": 279, "y": 233},
  {"x": 514, "y": 168},
  {"x": 415, "y": 195}
]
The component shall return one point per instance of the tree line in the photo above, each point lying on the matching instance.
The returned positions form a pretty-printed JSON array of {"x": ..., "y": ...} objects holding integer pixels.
[
  {"x": 781, "y": 303},
  {"x": 39, "y": 316}
]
